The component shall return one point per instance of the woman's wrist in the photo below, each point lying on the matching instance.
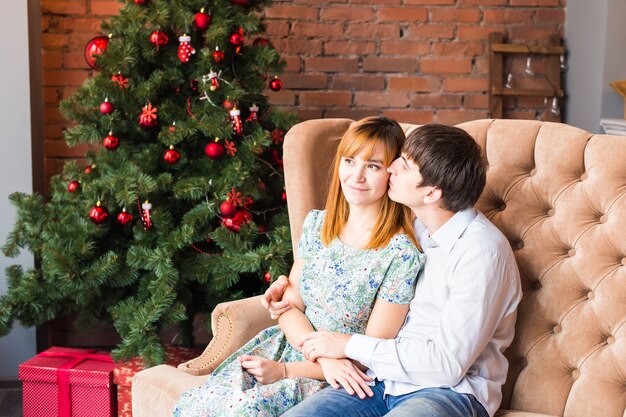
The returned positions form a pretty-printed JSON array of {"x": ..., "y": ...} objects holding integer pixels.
[{"x": 285, "y": 374}]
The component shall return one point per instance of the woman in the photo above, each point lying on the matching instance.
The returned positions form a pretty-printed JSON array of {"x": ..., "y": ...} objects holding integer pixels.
[{"x": 355, "y": 272}]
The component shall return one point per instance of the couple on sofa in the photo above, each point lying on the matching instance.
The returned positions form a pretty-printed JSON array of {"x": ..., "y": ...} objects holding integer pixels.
[{"x": 353, "y": 313}]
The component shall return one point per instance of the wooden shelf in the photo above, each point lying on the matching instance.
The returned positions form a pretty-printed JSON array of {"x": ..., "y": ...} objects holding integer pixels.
[
  {"x": 499, "y": 91},
  {"x": 513, "y": 48}
]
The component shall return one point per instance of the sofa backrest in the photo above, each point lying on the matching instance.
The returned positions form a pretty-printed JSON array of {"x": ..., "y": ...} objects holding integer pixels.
[{"x": 559, "y": 195}]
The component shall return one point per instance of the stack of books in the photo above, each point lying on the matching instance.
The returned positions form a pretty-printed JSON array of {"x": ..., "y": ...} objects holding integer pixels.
[{"x": 614, "y": 126}]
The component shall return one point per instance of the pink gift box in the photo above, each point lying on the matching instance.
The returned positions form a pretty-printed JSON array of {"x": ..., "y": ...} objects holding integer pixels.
[{"x": 68, "y": 382}]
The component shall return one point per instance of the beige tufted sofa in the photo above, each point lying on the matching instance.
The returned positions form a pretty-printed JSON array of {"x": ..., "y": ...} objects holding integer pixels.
[{"x": 559, "y": 194}]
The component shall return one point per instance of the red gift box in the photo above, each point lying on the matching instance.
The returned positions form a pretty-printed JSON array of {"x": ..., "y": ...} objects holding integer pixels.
[
  {"x": 68, "y": 382},
  {"x": 124, "y": 372}
]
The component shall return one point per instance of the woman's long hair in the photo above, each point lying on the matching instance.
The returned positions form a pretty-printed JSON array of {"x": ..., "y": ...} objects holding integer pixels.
[{"x": 363, "y": 136}]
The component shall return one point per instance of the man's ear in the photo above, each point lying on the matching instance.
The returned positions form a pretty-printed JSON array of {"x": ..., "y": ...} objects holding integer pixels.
[{"x": 433, "y": 195}]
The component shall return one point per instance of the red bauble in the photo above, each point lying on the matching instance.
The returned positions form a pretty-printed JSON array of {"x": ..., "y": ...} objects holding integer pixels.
[
  {"x": 106, "y": 107},
  {"x": 148, "y": 117},
  {"x": 111, "y": 142},
  {"x": 267, "y": 277},
  {"x": 228, "y": 209},
  {"x": 241, "y": 3},
  {"x": 214, "y": 150},
  {"x": 235, "y": 222},
  {"x": 218, "y": 56},
  {"x": 276, "y": 84},
  {"x": 73, "y": 186},
  {"x": 202, "y": 20},
  {"x": 158, "y": 38},
  {"x": 229, "y": 104},
  {"x": 236, "y": 39},
  {"x": 88, "y": 169},
  {"x": 260, "y": 42},
  {"x": 284, "y": 196},
  {"x": 124, "y": 217},
  {"x": 98, "y": 214},
  {"x": 171, "y": 156},
  {"x": 140, "y": 2},
  {"x": 94, "y": 49}
]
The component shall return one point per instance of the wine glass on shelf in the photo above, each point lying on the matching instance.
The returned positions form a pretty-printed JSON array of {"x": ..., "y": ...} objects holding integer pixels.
[
  {"x": 509, "y": 81},
  {"x": 528, "y": 70}
]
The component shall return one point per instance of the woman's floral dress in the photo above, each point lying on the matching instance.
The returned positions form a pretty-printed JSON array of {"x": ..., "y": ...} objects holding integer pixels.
[{"x": 339, "y": 285}]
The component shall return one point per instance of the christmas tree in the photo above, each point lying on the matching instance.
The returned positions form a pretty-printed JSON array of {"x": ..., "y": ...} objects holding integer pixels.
[{"x": 180, "y": 203}]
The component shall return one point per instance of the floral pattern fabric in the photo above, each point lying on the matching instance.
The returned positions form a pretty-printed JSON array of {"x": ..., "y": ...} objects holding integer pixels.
[{"x": 339, "y": 285}]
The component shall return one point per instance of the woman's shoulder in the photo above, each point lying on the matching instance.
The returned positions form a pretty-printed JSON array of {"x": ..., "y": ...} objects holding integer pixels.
[
  {"x": 401, "y": 244},
  {"x": 314, "y": 219}
]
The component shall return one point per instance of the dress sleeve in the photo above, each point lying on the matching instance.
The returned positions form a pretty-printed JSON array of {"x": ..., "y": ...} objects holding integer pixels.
[
  {"x": 398, "y": 285},
  {"x": 310, "y": 237}
]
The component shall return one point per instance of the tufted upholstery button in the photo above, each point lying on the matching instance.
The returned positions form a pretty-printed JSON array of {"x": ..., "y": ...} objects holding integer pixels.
[
  {"x": 624, "y": 261},
  {"x": 523, "y": 363},
  {"x": 533, "y": 172},
  {"x": 551, "y": 212},
  {"x": 502, "y": 206},
  {"x": 537, "y": 285},
  {"x": 591, "y": 295},
  {"x": 557, "y": 329},
  {"x": 584, "y": 176},
  {"x": 575, "y": 374},
  {"x": 603, "y": 218},
  {"x": 520, "y": 245},
  {"x": 571, "y": 252},
  {"x": 610, "y": 340}
]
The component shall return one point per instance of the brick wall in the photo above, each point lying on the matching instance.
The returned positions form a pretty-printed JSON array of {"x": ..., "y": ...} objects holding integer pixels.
[{"x": 414, "y": 60}]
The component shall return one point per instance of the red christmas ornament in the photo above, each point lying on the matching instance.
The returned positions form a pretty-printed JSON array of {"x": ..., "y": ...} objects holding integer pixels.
[
  {"x": 120, "y": 80},
  {"x": 214, "y": 150},
  {"x": 236, "y": 39},
  {"x": 276, "y": 84},
  {"x": 235, "y": 118},
  {"x": 106, "y": 107},
  {"x": 284, "y": 196},
  {"x": 228, "y": 209},
  {"x": 148, "y": 117},
  {"x": 260, "y": 42},
  {"x": 218, "y": 56},
  {"x": 254, "y": 110},
  {"x": 158, "y": 38},
  {"x": 228, "y": 104},
  {"x": 242, "y": 3},
  {"x": 145, "y": 215},
  {"x": 171, "y": 156},
  {"x": 94, "y": 48},
  {"x": 185, "y": 50},
  {"x": 234, "y": 197},
  {"x": 278, "y": 136},
  {"x": 98, "y": 214},
  {"x": 124, "y": 217},
  {"x": 111, "y": 142},
  {"x": 215, "y": 84},
  {"x": 140, "y": 2},
  {"x": 234, "y": 223},
  {"x": 231, "y": 149},
  {"x": 88, "y": 169},
  {"x": 202, "y": 20},
  {"x": 73, "y": 186},
  {"x": 267, "y": 277}
]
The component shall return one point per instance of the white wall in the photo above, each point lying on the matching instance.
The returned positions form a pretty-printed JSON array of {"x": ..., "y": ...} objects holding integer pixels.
[{"x": 16, "y": 165}]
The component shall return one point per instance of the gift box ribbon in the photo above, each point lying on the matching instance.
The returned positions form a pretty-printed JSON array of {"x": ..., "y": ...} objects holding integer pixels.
[{"x": 63, "y": 374}]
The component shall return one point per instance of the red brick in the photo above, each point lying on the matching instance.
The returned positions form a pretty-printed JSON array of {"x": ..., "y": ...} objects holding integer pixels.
[
  {"x": 58, "y": 148},
  {"x": 277, "y": 27},
  {"x": 62, "y": 78},
  {"x": 463, "y": 84},
  {"x": 483, "y": 2},
  {"x": 414, "y": 84},
  {"x": 105, "y": 8},
  {"x": 432, "y": 31},
  {"x": 351, "y": 14},
  {"x": 326, "y": 98},
  {"x": 369, "y": 31},
  {"x": 537, "y": 102},
  {"x": 308, "y": 114},
  {"x": 446, "y": 66},
  {"x": 531, "y": 33},
  {"x": 291, "y": 12},
  {"x": 499, "y": 16},
  {"x": 476, "y": 101},
  {"x": 331, "y": 64},
  {"x": 404, "y": 14},
  {"x": 45, "y": 23},
  {"x": 390, "y": 64},
  {"x": 91, "y": 25},
  {"x": 377, "y": 2},
  {"x": 412, "y": 116},
  {"x": 481, "y": 65},
  {"x": 358, "y": 82},
  {"x": 377, "y": 100},
  {"x": 64, "y": 6},
  {"x": 409, "y": 48},
  {"x": 458, "y": 49},
  {"x": 54, "y": 40},
  {"x": 51, "y": 95},
  {"x": 298, "y": 46},
  {"x": 293, "y": 63},
  {"x": 74, "y": 60},
  {"x": 436, "y": 100},
  {"x": 453, "y": 117},
  {"x": 471, "y": 33},
  {"x": 317, "y": 30},
  {"x": 305, "y": 81},
  {"x": 349, "y": 113},
  {"x": 349, "y": 47},
  {"x": 51, "y": 114},
  {"x": 429, "y": 2},
  {"x": 50, "y": 60},
  {"x": 554, "y": 16},
  {"x": 284, "y": 97},
  {"x": 440, "y": 15}
]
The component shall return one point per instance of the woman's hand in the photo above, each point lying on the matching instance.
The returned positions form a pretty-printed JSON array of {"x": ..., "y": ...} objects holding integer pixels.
[
  {"x": 273, "y": 301},
  {"x": 264, "y": 370},
  {"x": 342, "y": 372}
]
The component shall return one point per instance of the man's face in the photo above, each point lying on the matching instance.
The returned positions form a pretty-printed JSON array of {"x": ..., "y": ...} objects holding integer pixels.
[{"x": 404, "y": 183}]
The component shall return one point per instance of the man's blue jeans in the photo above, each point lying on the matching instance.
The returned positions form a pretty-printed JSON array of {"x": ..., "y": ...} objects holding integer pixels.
[{"x": 429, "y": 402}]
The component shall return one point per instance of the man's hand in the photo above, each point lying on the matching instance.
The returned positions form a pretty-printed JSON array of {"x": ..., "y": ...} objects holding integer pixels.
[
  {"x": 272, "y": 299},
  {"x": 342, "y": 372},
  {"x": 324, "y": 344},
  {"x": 264, "y": 370}
]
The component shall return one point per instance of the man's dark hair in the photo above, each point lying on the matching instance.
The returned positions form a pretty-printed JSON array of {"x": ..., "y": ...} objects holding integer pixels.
[{"x": 449, "y": 159}]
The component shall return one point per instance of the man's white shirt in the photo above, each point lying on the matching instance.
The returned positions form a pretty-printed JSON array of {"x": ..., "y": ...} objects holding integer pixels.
[{"x": 461, "y": 319}]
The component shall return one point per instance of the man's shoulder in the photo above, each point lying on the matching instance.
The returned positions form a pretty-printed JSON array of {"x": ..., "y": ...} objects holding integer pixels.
[{"x": 481, "y": 234}]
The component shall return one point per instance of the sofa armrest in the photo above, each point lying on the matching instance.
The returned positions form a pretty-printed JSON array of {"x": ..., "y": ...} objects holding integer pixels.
[{"x": 233, "y": 323}]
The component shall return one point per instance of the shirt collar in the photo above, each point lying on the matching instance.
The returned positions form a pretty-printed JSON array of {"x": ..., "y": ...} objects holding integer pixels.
[{"x": 447, "y": 235}]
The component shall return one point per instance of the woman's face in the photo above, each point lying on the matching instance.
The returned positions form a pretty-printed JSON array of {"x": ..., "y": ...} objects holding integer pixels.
[{"x": 364, "y": 182}]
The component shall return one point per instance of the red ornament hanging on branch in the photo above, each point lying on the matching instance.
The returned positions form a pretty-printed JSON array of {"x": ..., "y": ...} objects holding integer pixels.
[
  {"x": 185, "y": 50},
  {"x": 236, "y": 39},
  {"x": 90, "y": 168},
  {"x": 171, "y": 156},
  {"x": 231, "y": 149},
  {"x": 260, "y": 42},
  {"x": 159, "y": 39},
  {"x": 214, "y": 150},
  {"x": 228, "y": 103},
  {"x": 227, "y": 209},
  {"x": 242, "y": 3},
  {"x": 217, "y": 55},
  {"x": 94, "y": 48},
  {"x": 144, "y": 214},
  {"x": 215, "y": 84},
  {"x": 202, "y": 20},
  {"x": 120, "y": 80},
  {"x": 72, "y": 186},
  {"x": 276, "y": 84},
  {"x": 111, "y": 142},
  {"x": 141, "y": 2},
  {"x": 148, "y": 117},
  {"x": 254, "y": 110},
  {"x": 98, "y": 214},
  {"x": 124, "y": 217},
  {"x": 267, "y": 277},
  {"x": 235, "y": 118},
  {"x": 239, "y": 218},
  {"x": 106, "y": 107}
]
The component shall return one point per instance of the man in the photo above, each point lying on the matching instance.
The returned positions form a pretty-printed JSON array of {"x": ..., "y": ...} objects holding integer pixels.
[{"x": 447, "y": 359}]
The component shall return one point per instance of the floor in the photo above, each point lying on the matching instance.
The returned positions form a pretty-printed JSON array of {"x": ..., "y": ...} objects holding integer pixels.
[{"x": 10, "y": 398}]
